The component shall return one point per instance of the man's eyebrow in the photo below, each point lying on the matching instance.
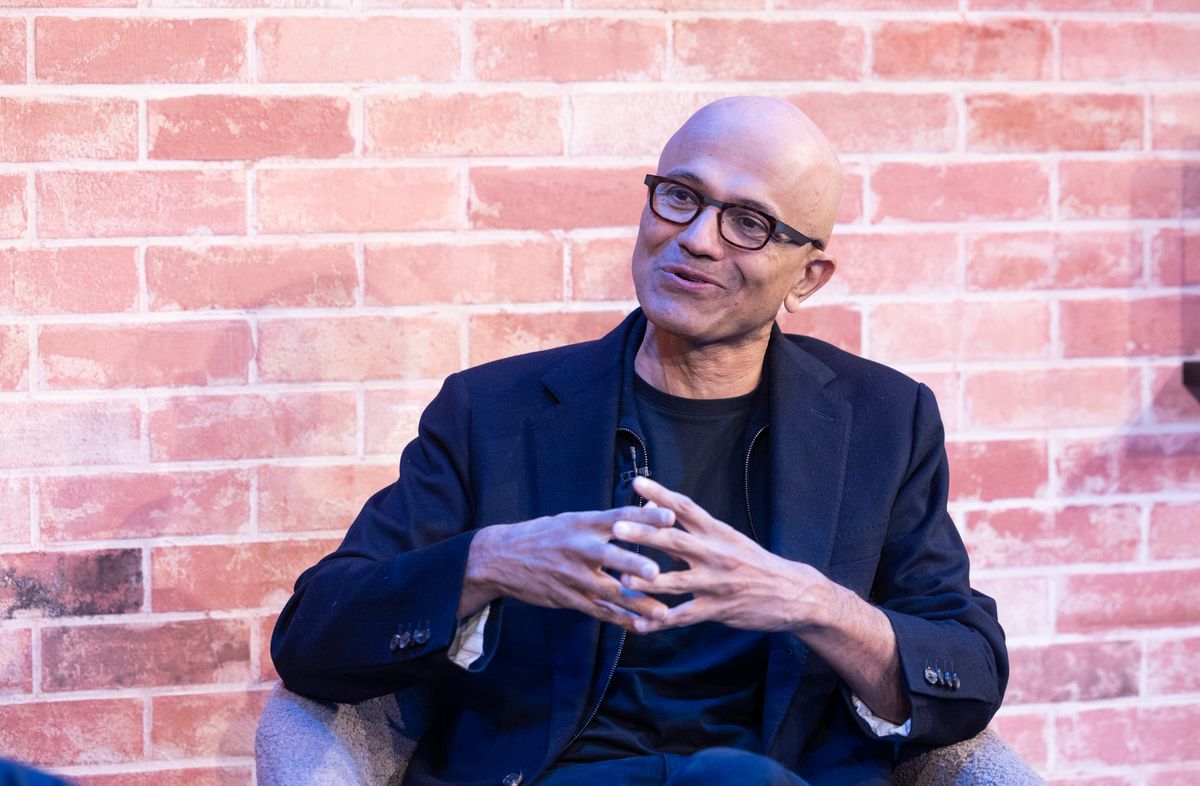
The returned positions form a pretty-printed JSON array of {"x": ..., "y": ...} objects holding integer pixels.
[{"x": 687, "y": 177}]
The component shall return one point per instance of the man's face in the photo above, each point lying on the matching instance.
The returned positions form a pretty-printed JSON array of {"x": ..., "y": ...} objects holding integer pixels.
[{"x": 692, "y": 283}]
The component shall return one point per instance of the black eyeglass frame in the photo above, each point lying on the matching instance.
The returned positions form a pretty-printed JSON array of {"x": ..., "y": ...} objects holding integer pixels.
[{"x": 774, "y": 224}]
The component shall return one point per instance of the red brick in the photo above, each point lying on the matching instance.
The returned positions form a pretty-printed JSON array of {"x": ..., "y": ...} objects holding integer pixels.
[
  {"x": 12, "y": 206},
  {"x": 1094, "y": 780},
  {"x": 1130, "y": 50},
  {"x": 467, "y": 4},
  {"x": 51, "y": 433},
  {"x": 1129, "y": 600},
  {"x": 1053, "y": 260},
  {"x": 14, "y": 510},
  {"x": 601, "y": 121},
  {"x": 870, "y": 5},
  {"x": 235, "y": 775},
  {"x": 853, "y": 184},
  {"x": 375, "y": 199},
  {"x": 110, "y": 50},
  {"x": 1023, "y": 602},
  {"x": 1175, "y": 120},
  {"x": 14, "y": 357},
  {"x": 238, "y": 576},
  {"x": 995, "y": 49},
  {"x": 1147, "y": 326},
  {"x": 569, "y": 50},
  {"x": 1131, "y": 464},
  {"x": 517, "y": 271},
  {"x": 958, "y": 330},
  {"x": 877, "y": 122},
  {"x": 390, "y": 419},
  {"x": 496, "y": 336},
  {"x": 1129, "y": 189},
  {"x": 68, "y": 280},
  {"x": 72, "y": 584},
  {"x": 1082, "y": 671},
  {"x": 16, "y": 661},
  {"x": 206, "y": 725},
  {"x": 555, "y": 197},
  {"x": 1170, "y": 401},
  {"x": 839, "y": 325},
  {"x": 92, "y": 657},
  {"x": 1022, "y": 537},
  {"x": 252, "y": 426},
  {"x": 1051, "y": 397},
  {"x": 1186, "y": 775},
  {"x": 600, "y": 269},
  {"x": 1127, "y": 736},
  {"x": 222, "y": 128},
  {"x": 145, "y": 355},
  {"x": 961, "y": 192},
  {"x": 251, "y": 277},
  {"x": 1173, "y": 666},
  {"x": 357, "y": 348},
  {"x": 1059, "y": 5},
  {"x": 1175, "y": 257},
  {"x": 1173, "y": 530},
  {"x": 760, "y": 49},
  {"x": 158, "y": 202},
  {"x": 266, "y": 667},
  {"x": 464, "y": 124},
  {"x": 94, "y": 731},
  {"x": 144, "y": 505},
  {"x": 673, "y": 5},
  {"x": 53, "y": 129},
  {"x": 874, "y": 264},
  {"x": 333, "y": 49},
  {"x": 12, "y": 50},
  {"x": 300, "y": 499},
  {"x": 1026, "y": 734},
  {"x": 1002, "y": 122},
  {"x": 998, "y": 469}
]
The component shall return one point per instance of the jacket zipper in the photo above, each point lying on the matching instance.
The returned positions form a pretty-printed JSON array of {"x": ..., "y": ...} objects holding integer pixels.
[
  {"x": 624, "y": 633},
  {"x": 749, "y": 515}
]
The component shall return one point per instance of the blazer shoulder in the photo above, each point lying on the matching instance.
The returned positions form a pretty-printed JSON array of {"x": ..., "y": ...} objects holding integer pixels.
[{"x": 853, "y": 372}]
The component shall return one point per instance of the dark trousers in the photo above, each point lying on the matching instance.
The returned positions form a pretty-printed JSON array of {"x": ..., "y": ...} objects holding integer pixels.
[{"x": 712, "y": 767}]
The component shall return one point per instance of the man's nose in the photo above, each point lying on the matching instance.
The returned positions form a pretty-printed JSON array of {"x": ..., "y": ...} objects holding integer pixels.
[{"x": 702, "y": 237}]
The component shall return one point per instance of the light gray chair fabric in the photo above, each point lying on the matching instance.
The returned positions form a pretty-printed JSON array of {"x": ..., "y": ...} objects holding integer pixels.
[{"x": 301, "y": 742}]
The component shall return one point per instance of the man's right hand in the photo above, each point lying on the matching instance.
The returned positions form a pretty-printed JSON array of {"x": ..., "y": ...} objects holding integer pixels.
[{"x": 559, "y": 562}]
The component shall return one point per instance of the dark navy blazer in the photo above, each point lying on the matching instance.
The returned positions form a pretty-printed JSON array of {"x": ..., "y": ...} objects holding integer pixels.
[{"x": 856, "y": 481}]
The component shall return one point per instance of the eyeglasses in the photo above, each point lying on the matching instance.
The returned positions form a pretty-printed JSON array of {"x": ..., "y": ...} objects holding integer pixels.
[{"x": 739, "y": 225}]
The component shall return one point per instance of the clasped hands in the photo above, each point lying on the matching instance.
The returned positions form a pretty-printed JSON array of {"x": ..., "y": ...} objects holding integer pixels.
[{"x": 567, "y": 561}]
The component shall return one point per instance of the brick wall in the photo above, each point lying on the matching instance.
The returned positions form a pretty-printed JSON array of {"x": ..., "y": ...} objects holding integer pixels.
[{"x": 242, "y": 241}]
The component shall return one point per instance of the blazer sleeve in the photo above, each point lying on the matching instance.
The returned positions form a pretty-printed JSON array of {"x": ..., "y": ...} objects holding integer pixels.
[
  {"x": 923, "y": 586},
  {"x": 378, "y": 614}
]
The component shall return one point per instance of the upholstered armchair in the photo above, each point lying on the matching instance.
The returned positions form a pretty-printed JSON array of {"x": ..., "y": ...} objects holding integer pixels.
[{"x": 302, "y": 742}]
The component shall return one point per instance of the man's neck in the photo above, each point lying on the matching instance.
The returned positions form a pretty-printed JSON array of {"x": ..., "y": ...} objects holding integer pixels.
[{"x": 682, "y": 368}]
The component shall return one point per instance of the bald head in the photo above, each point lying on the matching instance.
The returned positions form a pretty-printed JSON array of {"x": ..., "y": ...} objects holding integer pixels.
[{"x": 770, "y": 134}]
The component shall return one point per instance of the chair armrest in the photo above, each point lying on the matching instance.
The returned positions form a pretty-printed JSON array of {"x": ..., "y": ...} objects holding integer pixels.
[
  {"x": 301, "y": 741},
  {"x": 983, "y": 760}
]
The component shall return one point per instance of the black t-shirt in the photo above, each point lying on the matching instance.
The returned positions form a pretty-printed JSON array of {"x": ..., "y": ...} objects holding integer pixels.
[{"x": 686, "y": 689}]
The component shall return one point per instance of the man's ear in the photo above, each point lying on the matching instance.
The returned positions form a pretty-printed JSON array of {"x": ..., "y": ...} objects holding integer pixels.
[{"x": 816, "y": 273}]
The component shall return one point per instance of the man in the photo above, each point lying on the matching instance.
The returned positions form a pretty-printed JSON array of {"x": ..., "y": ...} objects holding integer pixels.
[{"x": 790, "y": 604}]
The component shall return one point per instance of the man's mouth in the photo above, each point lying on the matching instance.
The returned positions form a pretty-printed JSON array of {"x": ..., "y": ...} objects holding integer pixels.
[{"x": 690, "y": 276}]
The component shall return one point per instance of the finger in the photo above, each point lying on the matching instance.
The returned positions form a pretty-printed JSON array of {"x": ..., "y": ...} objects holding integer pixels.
[
  {"x": 605, "y": 587},
  {"x": 656, "y": 515},
  {"x": 676, "y": 542},
  {"x": 690, "y": 515},
  {"x": 624, "y": 561},
  {"x": 637, "y": 606},
  {"x": 673, "y": 582},
  {"x": 689, "y": 613}
]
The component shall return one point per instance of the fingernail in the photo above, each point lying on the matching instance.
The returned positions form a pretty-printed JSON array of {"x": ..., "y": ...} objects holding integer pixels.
[
  {"x": 649, "y": 571},
  {"x": 622, "y": 528}
]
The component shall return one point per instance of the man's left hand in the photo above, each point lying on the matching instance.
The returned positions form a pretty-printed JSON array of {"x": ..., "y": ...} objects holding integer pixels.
[{"x": 732, "y": 579}]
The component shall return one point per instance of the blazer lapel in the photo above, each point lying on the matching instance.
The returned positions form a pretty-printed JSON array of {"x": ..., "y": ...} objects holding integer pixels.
[{"x": 809, "y": 443}]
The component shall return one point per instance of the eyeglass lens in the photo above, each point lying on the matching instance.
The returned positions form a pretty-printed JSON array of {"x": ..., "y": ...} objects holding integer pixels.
[{"x": 740, "y": 226}]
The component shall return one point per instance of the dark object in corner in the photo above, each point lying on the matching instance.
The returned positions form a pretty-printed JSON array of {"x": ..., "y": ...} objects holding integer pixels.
[{"x": 1191, "y": 377}]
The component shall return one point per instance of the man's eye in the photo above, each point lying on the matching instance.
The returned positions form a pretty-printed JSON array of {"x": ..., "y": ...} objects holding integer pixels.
[
  {"x": 750, "y": 223},
  {"x": 681, "y": 196}
]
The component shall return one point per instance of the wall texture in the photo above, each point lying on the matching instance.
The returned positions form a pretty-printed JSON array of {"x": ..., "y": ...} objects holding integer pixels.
[{"x": 241, "y": 241}]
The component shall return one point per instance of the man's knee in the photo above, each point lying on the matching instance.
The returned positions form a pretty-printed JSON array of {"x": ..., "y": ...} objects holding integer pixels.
[{"x": 731, "y": 767}]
